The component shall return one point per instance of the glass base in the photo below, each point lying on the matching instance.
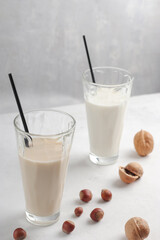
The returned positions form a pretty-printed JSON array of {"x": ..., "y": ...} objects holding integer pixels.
[
  {"x": 102, "y": 160},
  {"x": 42, "y": 221}
]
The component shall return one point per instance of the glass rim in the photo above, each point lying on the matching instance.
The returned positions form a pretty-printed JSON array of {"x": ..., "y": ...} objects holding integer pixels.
[
  {"x": 109, "y": 85},
  {"x": 43, "y": 135}
]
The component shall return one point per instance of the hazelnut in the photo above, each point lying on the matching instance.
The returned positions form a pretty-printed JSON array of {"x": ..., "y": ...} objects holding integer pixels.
[
  {"x": 78, "y": 211},
  {"x": 68, "y": 226},
  {"x": 136, "y": 228},
  {"x": 19, "y": 234},
  {"x": 106, "y": 195},
  {"x": 143, "y": 142},
  {"x": 85, "y": 195},
  {"x": 97, "y": 214},
  {"x": 131, "y": 172}
]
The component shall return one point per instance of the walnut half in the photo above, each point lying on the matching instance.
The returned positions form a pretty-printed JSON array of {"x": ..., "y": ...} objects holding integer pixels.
[{"x": 131, "y": 172}]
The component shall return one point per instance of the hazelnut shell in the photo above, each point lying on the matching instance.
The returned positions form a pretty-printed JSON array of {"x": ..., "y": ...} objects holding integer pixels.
[
  {"x": 143, "y": 142},
  {"x": 85, "y": 195},
  {"x": 106, "y": 195},
  {"x": 19, "y": 234},
  {"x": 136, "y": 228},
  {"x": 97, "y": 214},
  {"x": 78, "y": 211},
  {"x": 68, "y": 226}
]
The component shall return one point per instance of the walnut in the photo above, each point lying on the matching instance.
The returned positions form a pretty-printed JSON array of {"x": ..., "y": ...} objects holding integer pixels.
[
  {"x": 143, "y": 142},
  {"x": 136, "y": 228}
]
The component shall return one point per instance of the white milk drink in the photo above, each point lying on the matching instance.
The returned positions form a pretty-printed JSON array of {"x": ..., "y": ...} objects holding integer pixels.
[
  {"x": 105, "y": 115},
  {"x": 43, "y": 173}
]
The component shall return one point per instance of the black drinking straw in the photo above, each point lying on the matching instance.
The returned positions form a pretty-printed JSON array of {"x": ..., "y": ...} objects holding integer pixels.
[
  {"x": 89, "y": 61},
  {"x": 19, "y": 107}
]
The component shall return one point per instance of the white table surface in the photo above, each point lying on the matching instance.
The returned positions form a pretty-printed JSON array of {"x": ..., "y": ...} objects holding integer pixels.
[{"x": 141, "y": 198}]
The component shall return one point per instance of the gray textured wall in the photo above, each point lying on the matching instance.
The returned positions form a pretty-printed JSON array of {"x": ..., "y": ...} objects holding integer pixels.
[{"x": 41, "y": 44}]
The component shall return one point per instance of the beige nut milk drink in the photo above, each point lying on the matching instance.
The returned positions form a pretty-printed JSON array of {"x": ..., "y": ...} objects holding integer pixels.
[
  {"x": 44, "y": 155},
  {"x": 106, "y": 100},
  {"x": 43, "y": 172}
]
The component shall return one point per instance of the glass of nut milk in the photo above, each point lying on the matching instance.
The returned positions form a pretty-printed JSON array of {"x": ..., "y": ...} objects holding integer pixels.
[
  {"x": 106, "y": 102},
  {"x": 43, "y": 155}
]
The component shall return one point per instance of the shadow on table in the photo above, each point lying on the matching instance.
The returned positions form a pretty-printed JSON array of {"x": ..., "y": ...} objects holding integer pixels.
[
  {"x": 13, "y": 221},
  {"x": 81, "y": 161},
  {"x": 82, "y": 168},
  {"x": 132, "y": 155},
  {"x": 10, "y": 223},
  {"x": 91, "y": 222},
  {"x": 61, "y": 234},
  {"x": 119, "y": 184},
  {"x": 122, "y": 238}
]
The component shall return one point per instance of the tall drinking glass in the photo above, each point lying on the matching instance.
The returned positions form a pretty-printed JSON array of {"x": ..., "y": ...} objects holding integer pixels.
[
  {"x": 43, "y": 155},
  {"x": 106, "y": 102}
]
